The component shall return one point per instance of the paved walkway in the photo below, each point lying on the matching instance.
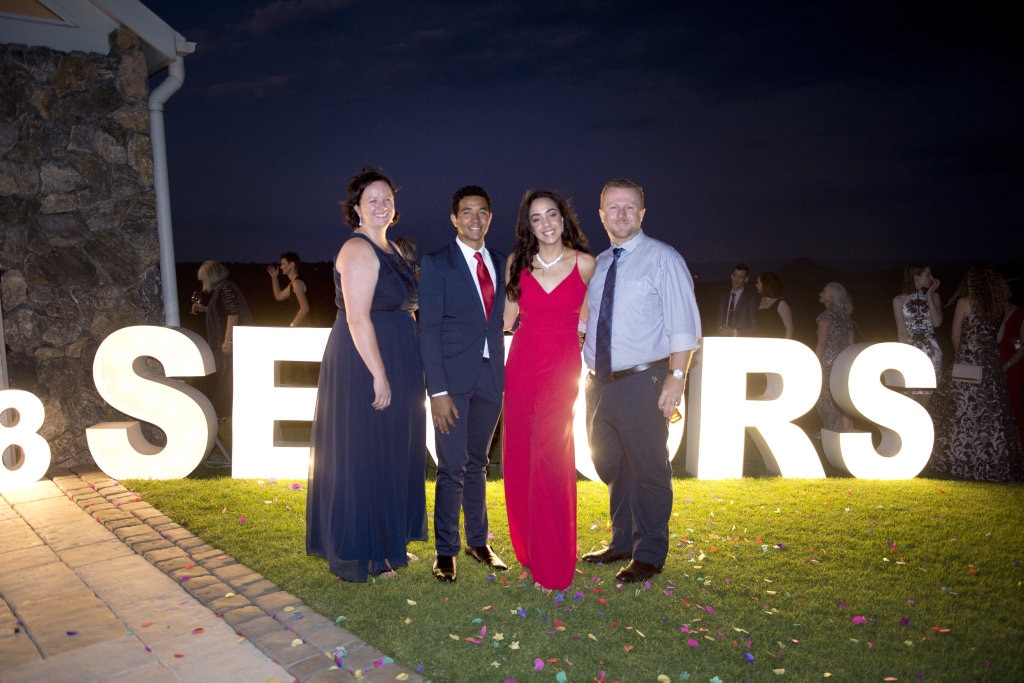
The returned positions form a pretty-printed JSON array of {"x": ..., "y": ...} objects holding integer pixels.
[{"x": 98, "y": 585}]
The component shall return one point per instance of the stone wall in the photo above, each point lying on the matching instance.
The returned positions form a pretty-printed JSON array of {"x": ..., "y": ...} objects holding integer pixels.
[{"x": 79, "y": 252}]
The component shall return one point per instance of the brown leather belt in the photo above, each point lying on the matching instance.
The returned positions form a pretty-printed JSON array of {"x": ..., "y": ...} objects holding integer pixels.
[{"x": 626, "y": 372}]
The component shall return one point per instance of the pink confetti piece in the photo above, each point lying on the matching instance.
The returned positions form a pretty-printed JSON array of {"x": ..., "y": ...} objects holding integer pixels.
[
  {"x": 538, "y": 664},
  {"x": 859, "y": 620},
  {"x": 692, "y": 642},
  {"x": 185, "y": 578}
]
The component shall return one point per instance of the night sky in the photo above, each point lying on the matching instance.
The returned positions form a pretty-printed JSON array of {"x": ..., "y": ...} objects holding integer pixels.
[{"x": 761, "y": 131}]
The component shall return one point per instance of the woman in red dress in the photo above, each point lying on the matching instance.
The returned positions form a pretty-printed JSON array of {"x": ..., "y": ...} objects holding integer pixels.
[
  {"x": 547, "y": 282},
  {"x": 1011, "y": 353}
]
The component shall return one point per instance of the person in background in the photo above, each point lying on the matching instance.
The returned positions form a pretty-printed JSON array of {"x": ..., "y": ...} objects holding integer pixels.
[
  {"x": 463, "y": 351},
  {"x": 1011, "y": 352},
  {"x": 641, "y": 330},
  {"x": 774, "y": 315},
  {"x": 918, "y": 313},
  {"x": 225, "y": 309},
  {"x": 366, "y": 497},
  {"x": 547, "y": 282},
  {"x": 290, "y": 268},
  {"x": 410, "y": 252},
  {"x": 736, "y": 311},
  {"x": 835, "y": 333},
  {"x": 975, "y": 433}
]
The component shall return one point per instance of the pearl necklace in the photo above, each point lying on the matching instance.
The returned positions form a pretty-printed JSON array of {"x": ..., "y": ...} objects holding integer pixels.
[{"x": 547, "y": 265}]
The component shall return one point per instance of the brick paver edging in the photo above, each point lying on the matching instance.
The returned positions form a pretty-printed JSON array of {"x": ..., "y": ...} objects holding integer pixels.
[{"x": 279, "y": 624}]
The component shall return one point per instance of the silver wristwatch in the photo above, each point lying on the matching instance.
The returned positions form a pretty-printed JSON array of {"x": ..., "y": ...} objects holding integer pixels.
[{"x": 678, "y": 374}]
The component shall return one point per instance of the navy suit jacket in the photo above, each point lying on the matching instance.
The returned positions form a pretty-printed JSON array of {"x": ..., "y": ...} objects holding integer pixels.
[
  {"x": 452, "y": 322},
  {"x": 744, "y": 318}
]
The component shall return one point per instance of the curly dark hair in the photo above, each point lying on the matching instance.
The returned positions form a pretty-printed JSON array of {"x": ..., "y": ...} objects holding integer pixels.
[
  {"x": 356, "y": 187},
  {"x": 986, "y": 289},
  {"x": 526, "y": 241}
]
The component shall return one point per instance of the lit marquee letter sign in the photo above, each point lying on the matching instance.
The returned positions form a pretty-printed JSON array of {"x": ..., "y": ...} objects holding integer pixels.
[
  {"x": 127, "y": 376},
  {"x": 722, "y": 414}
]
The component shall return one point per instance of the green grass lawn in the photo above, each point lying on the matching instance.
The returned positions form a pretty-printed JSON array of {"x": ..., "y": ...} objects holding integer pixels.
[{"x": 766, "y": 579}]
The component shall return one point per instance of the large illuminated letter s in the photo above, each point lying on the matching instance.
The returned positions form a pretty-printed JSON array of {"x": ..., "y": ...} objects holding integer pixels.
[
  {"x": 125, "y": 381},
  {"x": 906, "y": 427}
]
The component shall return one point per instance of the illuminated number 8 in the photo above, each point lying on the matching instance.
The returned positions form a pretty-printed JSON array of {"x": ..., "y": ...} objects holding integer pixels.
[{"x": 21, "y": 430}]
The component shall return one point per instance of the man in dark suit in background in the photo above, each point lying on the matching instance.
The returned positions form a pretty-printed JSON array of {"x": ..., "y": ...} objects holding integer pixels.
[
  {"x": 461, "y": 301},
  {"x": 736, "y": 310}
]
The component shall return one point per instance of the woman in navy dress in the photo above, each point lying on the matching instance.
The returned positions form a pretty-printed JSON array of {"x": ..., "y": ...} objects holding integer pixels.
[{"x": 367, "y": 497}]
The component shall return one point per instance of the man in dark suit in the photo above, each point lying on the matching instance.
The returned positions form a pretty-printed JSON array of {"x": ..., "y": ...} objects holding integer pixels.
[
  {"x": 461, "y": 301},
  {"x": 736, "y": 309}
]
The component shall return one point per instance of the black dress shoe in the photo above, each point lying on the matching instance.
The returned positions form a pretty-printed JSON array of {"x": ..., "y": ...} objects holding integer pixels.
[
  {"x": 605, "y": 556},
  {"x": 637, "y": 571},
  {"x": 444, "y": 568},
  {"x": 484, "y": 555}
]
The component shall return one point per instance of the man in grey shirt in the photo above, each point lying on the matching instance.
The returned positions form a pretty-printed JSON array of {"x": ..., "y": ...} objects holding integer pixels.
[{"x": 642, "y": 328}]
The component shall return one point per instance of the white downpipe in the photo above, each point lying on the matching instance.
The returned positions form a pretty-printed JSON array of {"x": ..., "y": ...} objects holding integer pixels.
[{"x": 168, "y": 278}]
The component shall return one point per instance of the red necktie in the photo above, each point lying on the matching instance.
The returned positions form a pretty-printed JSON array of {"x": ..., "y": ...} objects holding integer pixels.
[{"x": 486, "y": 284}]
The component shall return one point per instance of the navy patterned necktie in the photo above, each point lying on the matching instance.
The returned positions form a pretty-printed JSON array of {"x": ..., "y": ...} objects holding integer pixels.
[{"x": 603, "y": 347}]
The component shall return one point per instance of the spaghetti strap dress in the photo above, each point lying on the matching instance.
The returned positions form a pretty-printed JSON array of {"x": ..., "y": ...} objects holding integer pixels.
[
  {"x": 542, "y": 377},
  {"x": 367, "y": 490},
  {"x": 920, "y": 332}
]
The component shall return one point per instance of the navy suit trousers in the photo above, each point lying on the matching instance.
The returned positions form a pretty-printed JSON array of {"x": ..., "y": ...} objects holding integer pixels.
[
  {"x": 627, "y": 444},
  {"x": 462, "y": 465}
]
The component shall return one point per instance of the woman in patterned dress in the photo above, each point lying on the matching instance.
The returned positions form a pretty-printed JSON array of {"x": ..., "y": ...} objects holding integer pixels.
[
  {"x": 975, "y": 433},
  {"x": 835, "y": 333},
  {"x": 918, "y": 313}
]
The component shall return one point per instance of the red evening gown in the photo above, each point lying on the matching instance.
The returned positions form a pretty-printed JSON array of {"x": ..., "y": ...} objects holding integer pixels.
[{"x": 542, "y": 378}]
